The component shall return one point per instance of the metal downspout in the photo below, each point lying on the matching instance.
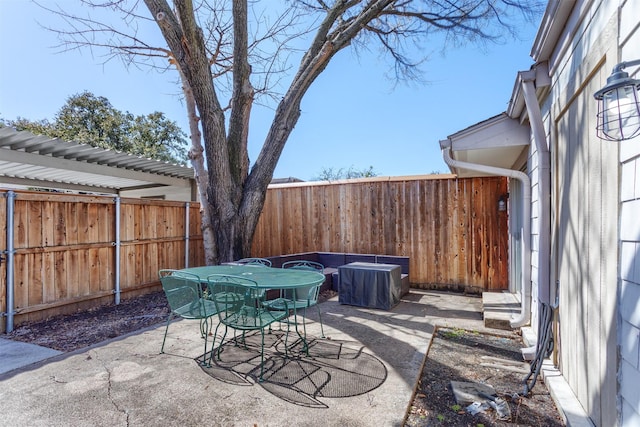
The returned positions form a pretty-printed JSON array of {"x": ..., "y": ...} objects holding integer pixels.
[
  {"x": 10, "y": 250},
  {"x": 544, "y": 186},
  {"x": 539, "y": 351},
  {"x": 118, "y": 247},
  {"x": 186, "y": 236},
  {"x": 525, "y": 300}
]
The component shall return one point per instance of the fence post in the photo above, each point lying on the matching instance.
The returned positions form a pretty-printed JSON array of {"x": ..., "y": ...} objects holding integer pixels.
[
  {"x": 186, "y": 236},
  {"x": 10, "y": 250},
  {"x": 117, "y": 254}
]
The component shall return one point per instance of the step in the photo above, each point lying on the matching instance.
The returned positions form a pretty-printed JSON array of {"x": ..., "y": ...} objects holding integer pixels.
[{"x": 498, "y": 308}]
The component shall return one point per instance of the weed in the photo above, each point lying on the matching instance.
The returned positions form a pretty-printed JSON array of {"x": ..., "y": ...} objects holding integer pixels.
[{"x": 453, "y": 333}]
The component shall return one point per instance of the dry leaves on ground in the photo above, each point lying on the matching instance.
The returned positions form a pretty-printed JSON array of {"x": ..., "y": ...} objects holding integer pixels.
[
  {"x": 467, "y": 356},
  {"x": 79, "y": 330}
]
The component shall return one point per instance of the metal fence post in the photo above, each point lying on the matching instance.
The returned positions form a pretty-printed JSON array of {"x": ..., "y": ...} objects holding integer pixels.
[
  {"x": 10, "y": 251},
  {"x": 117, "y": 245}
]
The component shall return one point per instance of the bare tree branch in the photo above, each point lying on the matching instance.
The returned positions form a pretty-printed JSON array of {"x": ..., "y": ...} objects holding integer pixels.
[{"x": 233, "y": 55}]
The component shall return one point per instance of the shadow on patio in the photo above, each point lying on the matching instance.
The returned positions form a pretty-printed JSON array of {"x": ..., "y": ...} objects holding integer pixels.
[
  {"x": 333, "y": 369},
  {"x": 362, "y": 374}
]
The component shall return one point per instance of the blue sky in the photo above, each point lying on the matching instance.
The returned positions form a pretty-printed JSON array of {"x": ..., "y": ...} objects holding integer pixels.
[{"x": 352, "y": 116}]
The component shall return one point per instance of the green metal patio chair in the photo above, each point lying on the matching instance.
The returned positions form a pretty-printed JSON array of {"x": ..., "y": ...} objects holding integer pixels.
[
  {"x": 303, "y": 297},
  {"x": 184, "y": 292},
  {"x": 240, "y": 305},
  {"x": 254, "y": 261}
]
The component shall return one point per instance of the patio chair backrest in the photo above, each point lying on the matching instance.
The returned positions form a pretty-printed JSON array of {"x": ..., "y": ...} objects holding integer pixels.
[
  {"x": 254, "y": 261},
  {"x": 308, "y": 293},
  {"x": 240, "y": 302},
  {"x": 184, "y": 294}
]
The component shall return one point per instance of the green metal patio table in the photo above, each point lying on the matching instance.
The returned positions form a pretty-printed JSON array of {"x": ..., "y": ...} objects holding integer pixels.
[{"x": 267, "y": 278}]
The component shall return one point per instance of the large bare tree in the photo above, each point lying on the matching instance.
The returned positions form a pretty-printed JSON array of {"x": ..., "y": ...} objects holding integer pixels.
[{"x": 230, "y": 55}]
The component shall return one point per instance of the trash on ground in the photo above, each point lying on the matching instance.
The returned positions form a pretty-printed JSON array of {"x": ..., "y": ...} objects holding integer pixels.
[
  {"x": 478, "y": 407},
  {"x": 466, "y": 393},
  {"x": 500, "y": 405},
  {"x": 479, "y": 398}
]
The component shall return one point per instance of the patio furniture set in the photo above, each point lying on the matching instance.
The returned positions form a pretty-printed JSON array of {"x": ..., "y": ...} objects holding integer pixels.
[
  {"x": 332, "y": 261},
  {"x": 252, "y": 294}
]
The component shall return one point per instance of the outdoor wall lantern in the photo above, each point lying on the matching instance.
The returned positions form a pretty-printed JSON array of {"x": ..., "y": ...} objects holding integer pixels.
[
  {"x": 619, "y": 105},
  {"x": 502, "y": 203}
]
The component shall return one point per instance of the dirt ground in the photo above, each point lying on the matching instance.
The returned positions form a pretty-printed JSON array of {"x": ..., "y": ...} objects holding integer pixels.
[
  {"x": 71, "y": 332},
  {"x": 454, "y": 355},
  {"x": 468, "y": 356}
]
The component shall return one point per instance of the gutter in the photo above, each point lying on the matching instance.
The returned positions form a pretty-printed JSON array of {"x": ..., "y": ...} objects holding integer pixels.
[{"x": 525, "y": 300}]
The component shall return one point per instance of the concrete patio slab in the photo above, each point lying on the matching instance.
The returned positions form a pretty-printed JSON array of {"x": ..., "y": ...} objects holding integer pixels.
[
  {"x": 14, "y": 354},
  {"x": 126, "y": 381}
]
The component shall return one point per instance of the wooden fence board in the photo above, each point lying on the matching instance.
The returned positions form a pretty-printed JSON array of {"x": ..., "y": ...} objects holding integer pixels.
[
  {"x": 59, "y": 281},
  {"x": 71, "y": 223},
  {"x": 73, "y": 276},
  {"x": 22, "y": 233},
  {"x": 48, "y": 278},
  {"x": 126, "y": 218},
  {"x": 27, "y": 224},
  {"x": 21, "y": 278},
  {"x": 59, "y": 224},
  {"x": 107, "y": 223},
  {"x": 450, "y": 228},
  {"x": 33, "y": 277},
  {"x": 95, "y": 272},
  {"x": 90, "y": 222},
  {"x": 64, "y": 256},
  {"x": 65, "y": 252}
]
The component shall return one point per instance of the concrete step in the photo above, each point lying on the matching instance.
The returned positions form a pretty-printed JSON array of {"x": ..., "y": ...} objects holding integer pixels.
[{"x": 498, "y": 308}]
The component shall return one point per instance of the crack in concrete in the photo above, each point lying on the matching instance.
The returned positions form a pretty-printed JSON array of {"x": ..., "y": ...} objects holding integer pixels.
[{"x": 109, "y": 390}]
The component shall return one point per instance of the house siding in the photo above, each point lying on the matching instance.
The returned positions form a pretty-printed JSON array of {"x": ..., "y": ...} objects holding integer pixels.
[
  {"x": 595, "y": 208},
  {"x": 629, "y": 339},
  {"x": 585, "y": 205},
  {"x": 629, "y": 285},
  {"x": 535, "y": 231}
]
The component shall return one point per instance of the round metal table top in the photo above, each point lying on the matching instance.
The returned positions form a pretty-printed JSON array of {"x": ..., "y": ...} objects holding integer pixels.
[{"x": 265, "y": 277}]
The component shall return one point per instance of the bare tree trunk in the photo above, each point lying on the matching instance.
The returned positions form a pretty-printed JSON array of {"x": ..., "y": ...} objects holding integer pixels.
[
  {"x": 224, "y": 190},
  {"x": 233, "y": 242},
  {"x": 233, "y": 196},
  {"x": 202, "y": 177}
]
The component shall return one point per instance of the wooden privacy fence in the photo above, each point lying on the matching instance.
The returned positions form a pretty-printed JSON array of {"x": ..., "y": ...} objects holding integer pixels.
[
  {"x": 73, "y": 252},
  {"x": 70, "y": 252},
  {"x": 451, "y": 228}
]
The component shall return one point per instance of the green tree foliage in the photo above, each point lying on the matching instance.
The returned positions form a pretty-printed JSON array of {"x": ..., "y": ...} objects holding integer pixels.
[
  {"x": 38, "y": 127},
  {"x": 332, "y": 174},
  {"x": 156, "y": 137},
  {"x": 89, "y": 119},
  {"x": 92, "y": 120}
]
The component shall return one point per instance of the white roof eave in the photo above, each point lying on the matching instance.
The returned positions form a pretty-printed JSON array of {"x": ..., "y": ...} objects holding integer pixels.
[{"x": 499, "y": 142}]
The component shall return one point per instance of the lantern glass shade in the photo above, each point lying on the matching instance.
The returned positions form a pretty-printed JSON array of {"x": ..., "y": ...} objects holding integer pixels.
[{"x": 619, "y": 113}]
